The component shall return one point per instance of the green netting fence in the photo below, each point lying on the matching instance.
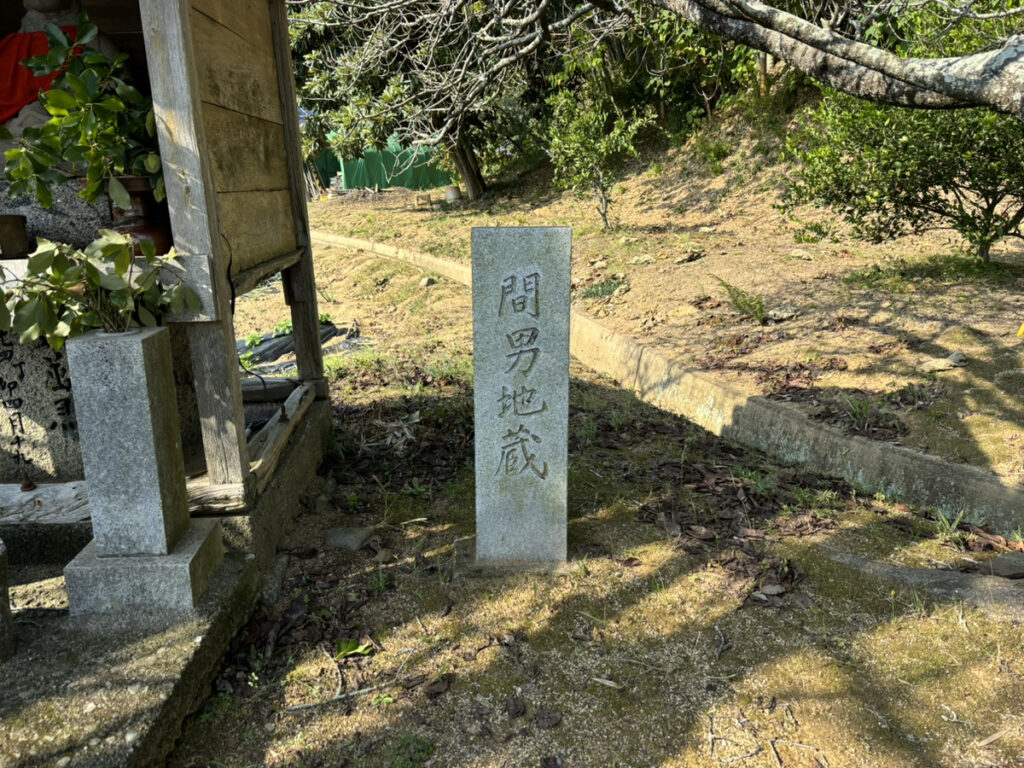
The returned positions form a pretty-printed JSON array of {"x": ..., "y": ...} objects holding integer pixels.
[{"x": 389, "y": 167}]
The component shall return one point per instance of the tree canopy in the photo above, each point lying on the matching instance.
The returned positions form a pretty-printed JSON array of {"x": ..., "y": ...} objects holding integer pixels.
[{"x": 444, "y": 59}]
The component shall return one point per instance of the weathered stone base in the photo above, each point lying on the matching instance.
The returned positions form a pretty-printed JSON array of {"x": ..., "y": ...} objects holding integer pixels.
[
  {"x": 169, "y": 583},
  {"x": 6, "y": 623},
  {"x": 466, "y": 563},
  {"x": 144, "y": 675}
]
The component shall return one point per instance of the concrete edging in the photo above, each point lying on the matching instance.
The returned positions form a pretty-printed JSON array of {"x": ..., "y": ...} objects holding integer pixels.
[{"x": 775, "y": 428}]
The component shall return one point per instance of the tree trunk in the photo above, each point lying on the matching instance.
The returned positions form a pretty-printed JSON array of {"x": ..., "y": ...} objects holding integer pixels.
[
  {"x": 465, "y": 162},
  {"x": 763, "y": 63}
]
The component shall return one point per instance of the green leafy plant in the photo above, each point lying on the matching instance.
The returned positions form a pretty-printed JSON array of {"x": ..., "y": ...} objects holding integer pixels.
[
  {"x": 100, "y": 126},
  {"x": 345, "y": 648},
  {"x": 284, "y": 328},
  {"x": 891, "y": 171},
  {"x": 588, "y": 143},
  {"x": 747, "y": 304},
  {"x": 253, "y": 340},
  {"x": 602, "y": 290},
  {"x": 66, "y": 292}
]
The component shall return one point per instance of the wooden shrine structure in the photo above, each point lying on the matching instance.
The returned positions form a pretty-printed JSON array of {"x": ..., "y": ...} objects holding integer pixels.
[{"x": 220, "y": 75}]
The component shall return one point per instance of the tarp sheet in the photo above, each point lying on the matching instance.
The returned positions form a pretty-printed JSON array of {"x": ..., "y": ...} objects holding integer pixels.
[{"x": 389, "y": 167}]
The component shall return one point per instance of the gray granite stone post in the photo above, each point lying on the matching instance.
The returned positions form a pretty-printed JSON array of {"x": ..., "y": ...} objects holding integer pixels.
[
  {"x": 6, "y": 623},
  {"x": 521, "y": 384},
  {"x": 131, "y": 444},
  {"x": 144, "y": 553}
]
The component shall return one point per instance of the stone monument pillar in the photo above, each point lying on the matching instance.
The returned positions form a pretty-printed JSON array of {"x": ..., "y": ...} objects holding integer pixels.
[
  {"x": 145, "y": 554},
  {"x": 521, "y": 401}
]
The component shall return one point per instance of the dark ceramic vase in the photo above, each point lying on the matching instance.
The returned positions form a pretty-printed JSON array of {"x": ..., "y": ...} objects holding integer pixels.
[
  {"x": 13, "y": 238},
  {"x": 145, "y": 218}
]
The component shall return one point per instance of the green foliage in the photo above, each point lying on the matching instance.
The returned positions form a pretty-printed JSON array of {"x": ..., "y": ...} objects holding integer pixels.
[
  {"x": 747, "y": 304},
  {"x": 253, "y": 340},
  {"x": 284, "y": 328},
  {"x": 602, "y": 290},
  {"x": 660, "y": 62},
  {"x": 66, "y": 292},
  {"x": 411, "y": 751},
  {"x": 712, "y": 151},
  {"x": 100, "y": 126},
  {"x": 344, "y": 648},
  {"x": 892, "y": 171},
  {"x": 588, "y": 143},
  {"x": 361, "y": 87}
]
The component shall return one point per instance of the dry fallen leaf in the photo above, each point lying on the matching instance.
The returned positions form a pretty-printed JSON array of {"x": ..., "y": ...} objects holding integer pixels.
[
  {"x": 515, "y": 707},
  {"x": 384, "y": 556},
  {"x": 439, "y": 686}
]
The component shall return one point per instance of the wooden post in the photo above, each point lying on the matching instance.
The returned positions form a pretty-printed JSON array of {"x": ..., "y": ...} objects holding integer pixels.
[
  {"x": 299, "y": 284},
  {"x": 167, "y": 30}
]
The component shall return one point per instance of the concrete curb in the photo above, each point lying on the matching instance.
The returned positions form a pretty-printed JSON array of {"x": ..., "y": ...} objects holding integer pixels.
[{"x": 775, "y": 428}]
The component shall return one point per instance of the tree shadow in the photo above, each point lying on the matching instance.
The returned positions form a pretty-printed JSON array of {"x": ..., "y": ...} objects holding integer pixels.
[{"x": 645, "y": 644}]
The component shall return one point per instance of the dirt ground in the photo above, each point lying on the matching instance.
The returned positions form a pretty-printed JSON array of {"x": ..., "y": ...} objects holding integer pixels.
[
  {"x": 710, "y": 614},
  {"x": 700, "y": 245},
  {"x": 704, "y": 619}
]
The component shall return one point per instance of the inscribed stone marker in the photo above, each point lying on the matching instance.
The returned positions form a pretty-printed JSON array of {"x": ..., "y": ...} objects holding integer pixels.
[
  {"x": 521, "y": 401},
  {"x": 38, "y": 429}
]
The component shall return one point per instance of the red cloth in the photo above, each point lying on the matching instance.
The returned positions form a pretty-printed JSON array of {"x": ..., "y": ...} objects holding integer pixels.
[{"x": 22, "y": 87}]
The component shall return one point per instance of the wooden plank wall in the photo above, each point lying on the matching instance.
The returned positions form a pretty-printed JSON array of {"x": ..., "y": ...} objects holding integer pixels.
[{"x": 241, "y": 111}]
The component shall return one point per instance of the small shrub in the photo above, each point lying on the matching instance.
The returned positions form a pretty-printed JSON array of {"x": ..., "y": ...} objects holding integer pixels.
[
  {"x": 890, "y": 171},
  {"x": 747, "y": 304},
  {"x": 712, "y": 151}
]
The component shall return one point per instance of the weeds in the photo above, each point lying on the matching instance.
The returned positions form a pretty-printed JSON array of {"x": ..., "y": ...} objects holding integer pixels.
[
  {"x": 947, "y": 529},
  {"x": 747, "y": 304},
  {"x": 712, "y": 151},
  {"x": 381, "y": 582},
  {"x": 411, "y": 751},
  {"x": 602, "y": 290}
]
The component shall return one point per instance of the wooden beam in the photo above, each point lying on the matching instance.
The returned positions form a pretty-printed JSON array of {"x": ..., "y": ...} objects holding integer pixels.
[
  {"x": 245, "y": 152},
  {"x": 234, "y": 73},
  {"x": 299, "y": 282},
  {"x": 172, "y": 55},
  {"x": 255, "y": 226},
  {"x": 219, "y": 399},
  {"x": 173, "y": 80},
  {"x": 249, "y": 278},
  {"x": 266, "y": 448},
  {"x": 219, "y": 499},
  {"x": 249, "y": 19},
  {"x": 268, "y": 389}
]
